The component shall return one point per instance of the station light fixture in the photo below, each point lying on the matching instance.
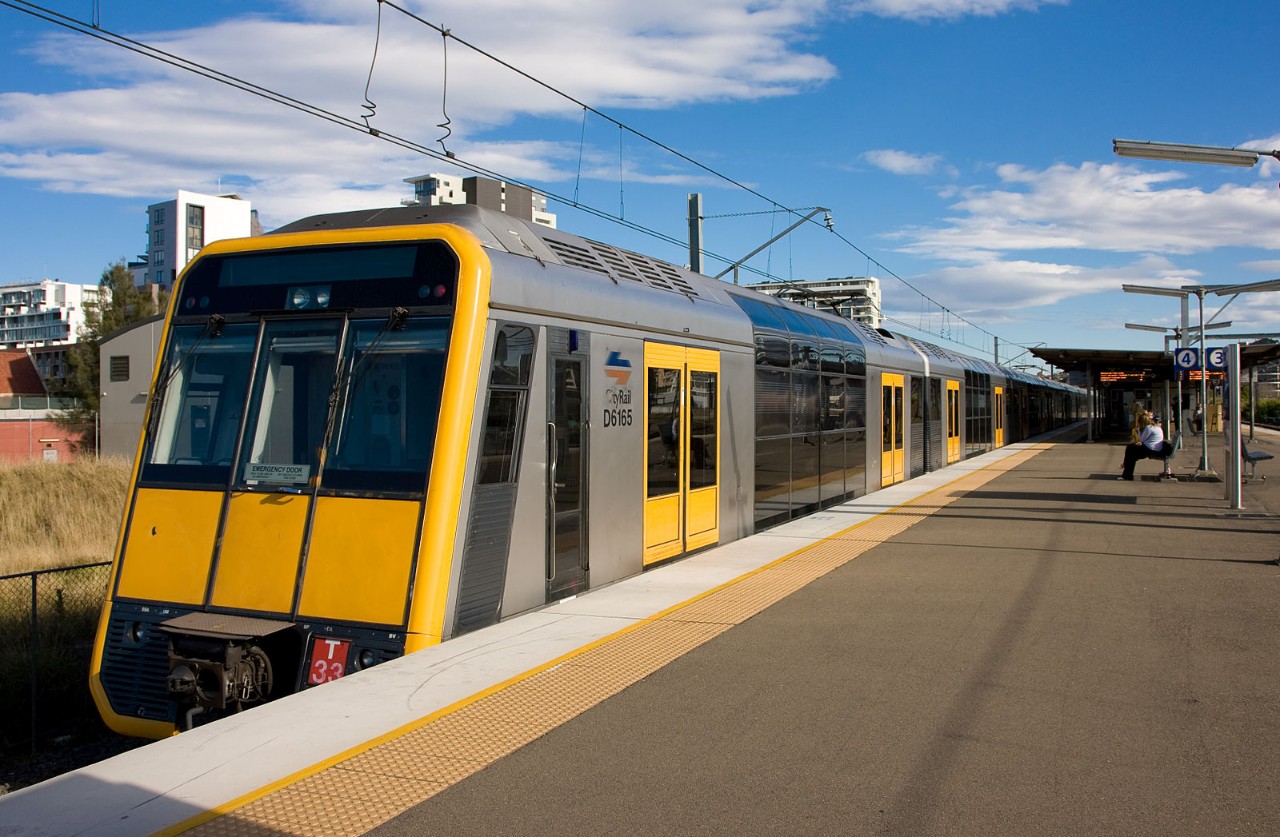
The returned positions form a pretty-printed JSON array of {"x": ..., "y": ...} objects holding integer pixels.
[{"x": 1178, "y": 153}]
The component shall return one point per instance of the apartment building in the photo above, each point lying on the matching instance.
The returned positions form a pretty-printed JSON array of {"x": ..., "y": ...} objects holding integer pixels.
[
  {"x": 520, "y": 201},
  {"x": 854, "y": 297},
  {"x": 177, "y": 229},
  {"x": 44, "y": 313}
]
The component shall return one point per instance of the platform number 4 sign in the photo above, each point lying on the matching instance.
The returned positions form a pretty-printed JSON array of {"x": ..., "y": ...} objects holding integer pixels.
[{"x": 1185, "y": 359}]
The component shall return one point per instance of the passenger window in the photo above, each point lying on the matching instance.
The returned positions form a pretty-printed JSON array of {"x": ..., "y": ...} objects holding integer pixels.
[{"x": 513, "y": 349}]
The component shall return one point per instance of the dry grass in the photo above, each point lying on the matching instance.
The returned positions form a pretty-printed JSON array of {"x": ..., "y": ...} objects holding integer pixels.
[{"x": 57, "y": 515}]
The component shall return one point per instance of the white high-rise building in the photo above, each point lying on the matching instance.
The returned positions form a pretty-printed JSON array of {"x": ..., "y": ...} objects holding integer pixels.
[
  {"x": 177, "y": 229},
  {"x": 520, "y": 201},
  {"x": 44, "y": 313},
  {"x": 854, "y": 297}
]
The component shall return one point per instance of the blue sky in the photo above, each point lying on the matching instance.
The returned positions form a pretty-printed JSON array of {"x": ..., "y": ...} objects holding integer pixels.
[{"x": 962, "y": 145}]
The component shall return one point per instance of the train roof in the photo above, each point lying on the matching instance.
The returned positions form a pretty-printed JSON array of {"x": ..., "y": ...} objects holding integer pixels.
[{"x": 504, "y": 233}]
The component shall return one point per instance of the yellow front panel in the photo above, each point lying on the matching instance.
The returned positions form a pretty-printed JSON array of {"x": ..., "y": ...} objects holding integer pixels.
[
  {"x": 359, "y": 560},
  {"x": 662, "y": 528},
  {"x": 170, "y": 545},
  {"x": 258, "y": 564}
]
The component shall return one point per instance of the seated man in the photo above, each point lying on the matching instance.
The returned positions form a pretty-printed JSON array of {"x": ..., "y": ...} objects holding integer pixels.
[{"x": 1150, "y": 445}]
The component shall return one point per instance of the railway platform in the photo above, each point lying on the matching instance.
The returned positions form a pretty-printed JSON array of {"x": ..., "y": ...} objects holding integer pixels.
[{"x": 1019, "y": 644}]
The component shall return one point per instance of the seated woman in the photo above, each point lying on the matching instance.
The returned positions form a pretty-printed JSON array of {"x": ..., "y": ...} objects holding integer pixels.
[{"x": 1149, "y": 445}]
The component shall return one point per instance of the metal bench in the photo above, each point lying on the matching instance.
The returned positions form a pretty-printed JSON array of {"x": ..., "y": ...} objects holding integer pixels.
[{"x": 1253, "y": 457}]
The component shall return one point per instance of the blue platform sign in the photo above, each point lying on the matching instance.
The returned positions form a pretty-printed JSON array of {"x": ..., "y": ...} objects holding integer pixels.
[
  {"x": 1216, "y": 357},
  {"x": 1185, "y": 359}
]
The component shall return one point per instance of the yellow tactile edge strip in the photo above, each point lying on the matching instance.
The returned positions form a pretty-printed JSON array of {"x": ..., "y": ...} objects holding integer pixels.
[{"x": 355, "y": 791}]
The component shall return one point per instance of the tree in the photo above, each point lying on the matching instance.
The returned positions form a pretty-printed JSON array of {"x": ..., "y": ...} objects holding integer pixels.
[{"x": 120, "y": 303}]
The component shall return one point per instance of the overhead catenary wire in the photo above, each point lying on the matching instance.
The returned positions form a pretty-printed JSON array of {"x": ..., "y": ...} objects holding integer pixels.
[{"x": 94, "y": 30}]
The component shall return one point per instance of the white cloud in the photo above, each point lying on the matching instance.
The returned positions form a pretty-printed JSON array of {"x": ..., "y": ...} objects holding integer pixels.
[
  {"x": 903, "y": 162},
  {"x": 1108, "y": 207},
  {"x": 947, "y": 9},
  {"x": 144, "y": 128}
]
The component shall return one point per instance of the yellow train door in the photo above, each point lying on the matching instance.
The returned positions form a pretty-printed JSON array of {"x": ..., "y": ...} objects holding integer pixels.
[
  {"x": 892, "y": 460},
  {"x": 998, "y": 418},
  {"x": 953, "y": 421},
  {"x": 681, "y": 451}
]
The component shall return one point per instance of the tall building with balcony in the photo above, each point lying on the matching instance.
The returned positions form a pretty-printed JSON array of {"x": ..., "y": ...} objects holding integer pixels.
[
  {"x": 44, "y": 313},
  {"x": 520, "y": 201},
  {"x": 854, "y": 297},
  {"x": 177, "y": 229}
]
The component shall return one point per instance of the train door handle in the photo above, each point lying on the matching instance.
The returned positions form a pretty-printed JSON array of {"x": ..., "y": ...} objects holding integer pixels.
[{"x": 552, "y": 453}]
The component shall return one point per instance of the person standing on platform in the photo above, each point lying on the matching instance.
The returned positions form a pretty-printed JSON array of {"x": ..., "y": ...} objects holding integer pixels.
[{"x": 1150, "y": 445}]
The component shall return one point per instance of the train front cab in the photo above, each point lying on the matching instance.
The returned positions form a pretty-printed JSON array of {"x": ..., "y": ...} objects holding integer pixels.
[{"x": 282, "y": 529}]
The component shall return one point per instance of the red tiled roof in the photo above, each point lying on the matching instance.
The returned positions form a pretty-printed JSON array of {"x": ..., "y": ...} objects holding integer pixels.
[{"x": 18, "y": 375}]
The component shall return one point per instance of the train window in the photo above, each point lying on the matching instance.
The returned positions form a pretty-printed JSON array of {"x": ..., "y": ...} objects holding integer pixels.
[
  {"x": 772, "y": 350},
  {"x": 761, "y": 313},
  {"x": 804, "y": 393},
  {"x": 289, "y": 409},
  {"x": 387, "y": 427},
  {"x": 824, "y": 327},
  {"x": 512, "y": 356},
  {"x": 831, "y": 360},
  {"x": 804, "y": 354},
  {"x": 773, "y": 402},
  {"x": 513, "y": 349},
  {"x": 662, "y": 427},
  {"x": 201, "y": 392},
  {"x": 855, "y": 416},
  {"x": 702, "y": 429},
  {"x": 796, "y": 323}
]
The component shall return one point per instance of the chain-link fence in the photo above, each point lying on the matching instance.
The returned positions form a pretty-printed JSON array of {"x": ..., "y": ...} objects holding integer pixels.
[{"x": 47, "y": 624}]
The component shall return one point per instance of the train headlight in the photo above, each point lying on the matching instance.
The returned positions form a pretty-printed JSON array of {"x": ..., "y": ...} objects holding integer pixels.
[
  {"x": 368, "y": 659},
  {"x": 303, "y": 297}
]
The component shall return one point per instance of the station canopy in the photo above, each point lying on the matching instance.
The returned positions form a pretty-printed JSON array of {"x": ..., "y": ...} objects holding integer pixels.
[{"x": 1119, "y": 366}]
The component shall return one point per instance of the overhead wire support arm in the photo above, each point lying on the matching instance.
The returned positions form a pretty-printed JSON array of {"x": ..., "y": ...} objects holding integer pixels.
[{"x": 734, "y": 267}]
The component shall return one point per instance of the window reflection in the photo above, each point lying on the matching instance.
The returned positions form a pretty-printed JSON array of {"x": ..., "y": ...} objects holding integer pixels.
[
  {"x": 387, "y": 429},
  {"x": 290, "y": 404},
  {"x": 203, "y": 384}
]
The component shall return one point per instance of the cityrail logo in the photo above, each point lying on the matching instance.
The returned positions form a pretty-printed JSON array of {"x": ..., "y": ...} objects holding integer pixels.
[{"x": 618, "y": 368}]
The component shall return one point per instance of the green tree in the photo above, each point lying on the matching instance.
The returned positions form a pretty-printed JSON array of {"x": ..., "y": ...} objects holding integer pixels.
[{"x": 120, "y": 303}]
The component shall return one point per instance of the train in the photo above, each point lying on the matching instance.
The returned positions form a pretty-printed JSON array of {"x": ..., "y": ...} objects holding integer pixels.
[{"x": 371, "y": 431}]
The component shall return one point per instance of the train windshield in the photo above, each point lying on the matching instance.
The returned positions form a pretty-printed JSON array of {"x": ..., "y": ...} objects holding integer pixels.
[
  {"x": 366, "y": 392},
  {"x": 391, "y": 401}
]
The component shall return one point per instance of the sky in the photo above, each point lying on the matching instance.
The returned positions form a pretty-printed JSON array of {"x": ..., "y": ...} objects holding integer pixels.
[{"x": 963, "y": 147}]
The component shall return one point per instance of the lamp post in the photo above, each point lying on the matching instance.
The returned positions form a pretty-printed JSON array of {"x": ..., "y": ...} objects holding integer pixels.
[{"x": 1178, "y": 153}]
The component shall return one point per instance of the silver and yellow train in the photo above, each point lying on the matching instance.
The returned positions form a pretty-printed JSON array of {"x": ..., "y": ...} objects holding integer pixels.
[{"x": 371, "y": 431}]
